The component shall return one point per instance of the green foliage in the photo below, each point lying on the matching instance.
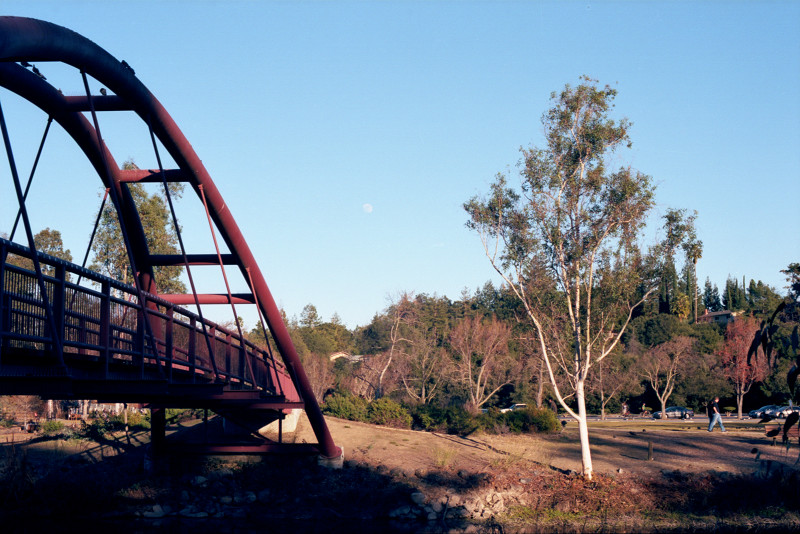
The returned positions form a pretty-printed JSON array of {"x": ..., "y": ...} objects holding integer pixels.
[
  {"x": 451, "y": 419},
  {"x": 51, "y": 428},
  {"x": 707, "y": 335},
  {"x": 531, "y": 420},
  {"x": 138, "y": 421},
  {"x": 345, "y": 405},
  {"x": 792, "y": 273},
  {"x": 175, "y": 415},
  {"x": 711, "y": 298},
  {"x": 110, "y": 255},
  {"x": 658, "y": 329},
  {"x": 385, "y": 411},
  {"x": 98, "y": 426}
]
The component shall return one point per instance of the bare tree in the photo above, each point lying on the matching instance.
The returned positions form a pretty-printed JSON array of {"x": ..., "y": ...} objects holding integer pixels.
[
  {"x": 320, "y": 374},
  {"x": 423, "y": 367},
  {"x": 402, "y": 315},
  {"x": 740, "y": 370},
  {"x": 663, "y": 365},
  {"x": 482, "y": 360},
  {"x": 614, "y": 375}
]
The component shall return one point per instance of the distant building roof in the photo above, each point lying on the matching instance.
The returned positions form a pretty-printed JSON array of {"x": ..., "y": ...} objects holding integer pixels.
[
  {"x": 724, "y": 316},
  {"x": 349, "y": 357}
]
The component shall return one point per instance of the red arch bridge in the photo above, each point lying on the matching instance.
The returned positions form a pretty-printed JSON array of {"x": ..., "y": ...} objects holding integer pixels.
[{"x": 67, "y": 332}]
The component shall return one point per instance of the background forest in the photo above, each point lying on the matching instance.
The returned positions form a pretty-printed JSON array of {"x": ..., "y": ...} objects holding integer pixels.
[{"x": 476, "y": 353}]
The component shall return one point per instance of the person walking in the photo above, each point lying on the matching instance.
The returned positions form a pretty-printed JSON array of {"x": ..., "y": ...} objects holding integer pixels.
[{"x": 714, "y": 416}]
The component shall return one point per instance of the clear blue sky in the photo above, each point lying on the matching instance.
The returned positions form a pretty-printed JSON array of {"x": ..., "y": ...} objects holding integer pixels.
[{"x": 307, "y": 113}]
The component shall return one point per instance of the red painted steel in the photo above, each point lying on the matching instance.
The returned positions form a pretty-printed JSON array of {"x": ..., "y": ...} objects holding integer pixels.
[{"x": 23, "y": 39}]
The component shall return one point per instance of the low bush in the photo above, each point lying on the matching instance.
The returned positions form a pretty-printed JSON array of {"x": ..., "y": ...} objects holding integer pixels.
[
  {"x": 540, "y": 420},
  {"x": 385, "y": 411},
  {"x": 51, "y": 428},
  {"x": 452, "y": 419},
  {"x": 345, "y": 406}
]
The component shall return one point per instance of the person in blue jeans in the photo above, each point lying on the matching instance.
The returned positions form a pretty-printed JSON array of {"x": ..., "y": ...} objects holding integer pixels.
[{"x": 714, "y": 416}]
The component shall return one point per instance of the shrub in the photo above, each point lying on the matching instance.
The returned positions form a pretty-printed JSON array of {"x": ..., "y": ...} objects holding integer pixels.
[
  {"x": 345, "y": 406},
  {"x": 177, "y": 415},
  {"x": 531, "y": 420},
  {"x": 423, "y": 420},
  {"x": 452, "y": 419},
  {"x": 428, "y": 418},
  {"x": 459, "y": 421},
  {"x": 51, "y": 428},
  {"x": 385, "y": 411},
  {"x": 138, "y": 421}
]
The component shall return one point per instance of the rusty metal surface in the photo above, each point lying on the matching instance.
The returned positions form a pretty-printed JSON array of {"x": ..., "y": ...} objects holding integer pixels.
[{"x": 31, "y": 40}]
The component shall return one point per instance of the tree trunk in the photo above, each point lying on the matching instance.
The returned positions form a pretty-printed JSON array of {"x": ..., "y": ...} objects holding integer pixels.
[
  {"x": 540, "y": 388},
  {"x": 695, "y": 291},
  {"x": 602, "y": 393},
  {"x": 739, "y": 402},
  {"x": 583, "y": 430}
]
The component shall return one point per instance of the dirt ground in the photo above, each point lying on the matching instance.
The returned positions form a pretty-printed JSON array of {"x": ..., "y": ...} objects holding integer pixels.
[
  {"x": 422, "y": 482},
  {"x": 684, "y": 446}
]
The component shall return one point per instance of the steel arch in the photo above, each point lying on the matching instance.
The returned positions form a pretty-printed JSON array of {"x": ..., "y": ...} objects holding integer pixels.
[{"x": 31, "y": 40}]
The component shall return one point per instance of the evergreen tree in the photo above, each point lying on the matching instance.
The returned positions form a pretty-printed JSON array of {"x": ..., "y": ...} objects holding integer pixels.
[{"x": 711, "y": 299}]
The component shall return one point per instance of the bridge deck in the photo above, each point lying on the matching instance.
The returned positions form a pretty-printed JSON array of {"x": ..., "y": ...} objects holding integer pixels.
[{"x": 108, "y": 346}]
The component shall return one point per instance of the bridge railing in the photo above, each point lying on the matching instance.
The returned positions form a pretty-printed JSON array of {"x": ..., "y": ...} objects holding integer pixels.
[{"x": 101, "y": 325}]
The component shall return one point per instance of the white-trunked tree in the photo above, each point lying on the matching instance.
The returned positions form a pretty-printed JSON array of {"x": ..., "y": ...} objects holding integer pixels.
[{"x": 565, "y": 241}]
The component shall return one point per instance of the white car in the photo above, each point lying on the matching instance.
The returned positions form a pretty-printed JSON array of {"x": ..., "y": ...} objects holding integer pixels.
[
  {"x": 780, "y": 412},
  {"x": 514, "y": 407}
]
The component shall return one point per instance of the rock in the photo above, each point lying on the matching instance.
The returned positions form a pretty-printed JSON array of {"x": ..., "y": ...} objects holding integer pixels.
[
  {"x": 222, "y": 473},
  {"x": 419, "y": 473},
  {"x": 250, "y": 497},
  {"x": 226, "y": 499},
  {"x": 185, "y": 496},
  {"x": 199, "y": 480},
  {"x": 263, "y": 495},
  {"x": 156, "y": 512},
  {"x": 398, "y": 473},
  {"x": 437, "y": 507},
  {"x": 382, "y": 470},
  {"x": 432, "y": 516},
  {"x": 454, "y": 500},
  {"x": 619, "y": 470},
  {"x": 471, "y": 529},
  {"x": 418, "y": 497},
  {"x": 398, "y": 512},
  {"x": 524, "y": 481}
]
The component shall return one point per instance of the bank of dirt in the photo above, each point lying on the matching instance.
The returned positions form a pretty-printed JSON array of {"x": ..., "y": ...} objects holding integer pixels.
[{"x": 408, "y": 481}]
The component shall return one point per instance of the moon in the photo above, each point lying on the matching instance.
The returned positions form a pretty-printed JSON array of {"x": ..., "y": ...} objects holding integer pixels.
[{"x": 367, "y": 208}]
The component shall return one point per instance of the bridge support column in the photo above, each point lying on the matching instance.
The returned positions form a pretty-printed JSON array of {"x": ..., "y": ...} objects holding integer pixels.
[
  {"x": 158, "y": 432},
  {"x": 337, "y": 462}
]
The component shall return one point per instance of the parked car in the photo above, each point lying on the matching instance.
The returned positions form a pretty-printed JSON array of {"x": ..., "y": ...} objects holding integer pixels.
[
  {"x": 675, "y": 412},
  {"x": 514, "y": 407},
  {"x": 779, "y": 412},
  {"x": 759, "y": 413}
]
